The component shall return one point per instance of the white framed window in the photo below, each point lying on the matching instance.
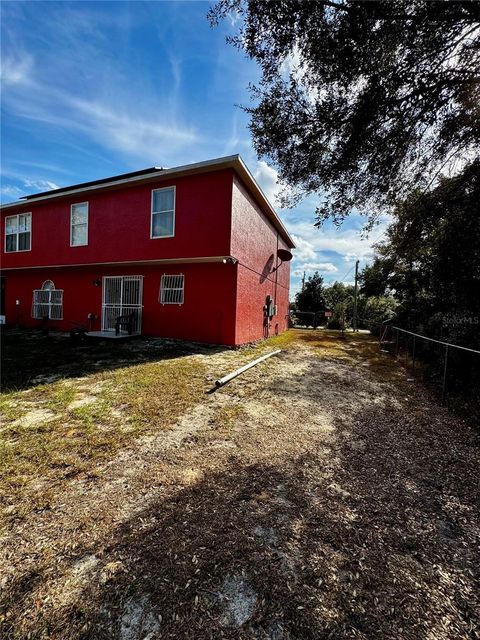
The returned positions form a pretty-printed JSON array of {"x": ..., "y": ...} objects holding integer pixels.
[
  {"x": 47, "y": 302},
  {"x": 79, "y": 224},
  {"x": 163, "y": 213},
  {"x": 172, "y": 289},
  {"x": 18, "y": 233}
]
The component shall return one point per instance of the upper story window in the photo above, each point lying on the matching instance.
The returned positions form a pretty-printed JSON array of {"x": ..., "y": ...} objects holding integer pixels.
[
  {"x": 163, "y": 213},
  {"x": 79, "y": 224},
  {"x": 18, "y": 233}
]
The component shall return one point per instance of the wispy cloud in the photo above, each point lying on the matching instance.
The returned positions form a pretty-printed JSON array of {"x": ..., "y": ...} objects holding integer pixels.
[
  {"x": 311, "y": 267},
  {"x": 41, "y": 185},
  {"x": 25, "y": 187},
  {"x": 78, "y": 85},
  {"x": 16, "y": 69},
  {"x": 232, "y": 144},
  {"x": 11, "y": 192},
  {"x": 42, "y": 166},
  {"x": 349, "y": 243},
  {"x": 135, "y": 131}
]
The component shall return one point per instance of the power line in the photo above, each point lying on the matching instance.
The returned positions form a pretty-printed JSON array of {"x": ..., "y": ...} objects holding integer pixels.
[
  {"x": 348, "y": 272},
  {"x": 356, "y": 258}
]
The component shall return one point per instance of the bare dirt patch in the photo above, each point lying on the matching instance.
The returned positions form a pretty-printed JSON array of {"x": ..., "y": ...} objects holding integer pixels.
[{"x": 313, "y": 497}]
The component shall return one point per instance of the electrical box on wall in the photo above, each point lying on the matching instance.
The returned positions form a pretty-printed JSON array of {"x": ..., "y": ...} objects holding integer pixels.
[{"x": 269, "y": 309}]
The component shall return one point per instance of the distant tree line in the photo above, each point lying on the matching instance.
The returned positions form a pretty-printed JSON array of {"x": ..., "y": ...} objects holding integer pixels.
[
  {"x": 426, "y": 273},
  {"x": 338, "y": 298}
]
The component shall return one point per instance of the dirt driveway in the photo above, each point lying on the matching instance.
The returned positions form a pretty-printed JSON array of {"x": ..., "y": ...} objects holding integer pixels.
[{"x": 320, "y": 495}]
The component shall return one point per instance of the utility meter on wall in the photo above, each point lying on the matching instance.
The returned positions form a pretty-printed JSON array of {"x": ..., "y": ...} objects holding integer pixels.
[{"x": 269, "y": 309}]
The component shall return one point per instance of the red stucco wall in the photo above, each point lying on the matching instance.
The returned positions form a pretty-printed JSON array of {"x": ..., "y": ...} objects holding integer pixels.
[
  {"x": 215, "y": 216},
  {"x": 119, "y": 224},
  {"x": 255, "y": 242},
  {"x": 207, "y": 315}
]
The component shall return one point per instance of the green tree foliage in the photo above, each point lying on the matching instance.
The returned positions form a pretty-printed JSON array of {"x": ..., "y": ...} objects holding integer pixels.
[
  {"x": 338, "y": 292},
  {"x": 373, "y": 310},
  {"x": 311, "y": 297},
  {"x": 431, "y": 260},
  {"x": 361, "y": 101},
  {"x": 373, "y": 279},
  {"x": 339, "y": 300}
]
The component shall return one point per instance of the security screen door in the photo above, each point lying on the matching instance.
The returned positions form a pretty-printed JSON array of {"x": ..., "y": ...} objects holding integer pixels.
[{"x": 122, "y": 295}]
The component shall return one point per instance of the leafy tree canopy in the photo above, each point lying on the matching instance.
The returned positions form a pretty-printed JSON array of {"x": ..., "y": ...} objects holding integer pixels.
[
  {"x": 337, "y": 293},
  {"x": 361, "y": 101},
  {"x": 431, "y": 260},
  {"x": 311, "y": 297}
]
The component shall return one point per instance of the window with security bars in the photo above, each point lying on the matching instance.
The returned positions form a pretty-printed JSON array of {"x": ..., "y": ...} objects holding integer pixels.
[
  {"x": 172, "y": 289},
  {"x": 47, "y": 302}
]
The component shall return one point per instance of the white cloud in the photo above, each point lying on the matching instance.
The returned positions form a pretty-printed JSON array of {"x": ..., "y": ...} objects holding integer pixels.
[
  {"x": 294, "y": 289},
  {"x": 347, "y": 242},
  {"x": 14, "y": 192},
  {"x": 11, "y": 191},
  {"x": 233, "y": 141},
  {"x": 16, "y": 69},
  {"x": 303, "y": 249},
  {"x": 132, "y": 117},
  {"x": 267, "y": 177},
  {"x": 311, "y": 267},
  {"x": 233, "y": 17},
  {"x": 291, "y": 64},
  {"x": 41, "y": 185},
  {"x": 153, "y": 135},
  {"x": 135, "y": 134}
]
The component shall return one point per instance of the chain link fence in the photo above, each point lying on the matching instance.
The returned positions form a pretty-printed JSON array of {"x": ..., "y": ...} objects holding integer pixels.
[
  {"x": 307, "y": 319},
  {"x": 454, "y": 369}
]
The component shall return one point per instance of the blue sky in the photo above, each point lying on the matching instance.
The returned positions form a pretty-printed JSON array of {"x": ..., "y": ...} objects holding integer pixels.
[{"x": 92, "y": 89}]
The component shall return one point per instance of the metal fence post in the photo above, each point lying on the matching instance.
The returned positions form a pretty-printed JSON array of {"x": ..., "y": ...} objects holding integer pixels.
[
  {"x": 444, "y": 389},
  {"x": 413, "y": 355}
]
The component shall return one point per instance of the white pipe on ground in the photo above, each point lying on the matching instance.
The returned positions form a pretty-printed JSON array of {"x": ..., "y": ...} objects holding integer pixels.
[{"x": 221, "y": 381}]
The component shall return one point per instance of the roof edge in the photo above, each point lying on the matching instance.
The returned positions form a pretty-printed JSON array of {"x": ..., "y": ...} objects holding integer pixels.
[{"x": 234, "y": 161}]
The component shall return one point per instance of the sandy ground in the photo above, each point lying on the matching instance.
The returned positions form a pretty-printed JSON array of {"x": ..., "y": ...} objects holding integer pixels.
[{"x": 320, "y": 495}]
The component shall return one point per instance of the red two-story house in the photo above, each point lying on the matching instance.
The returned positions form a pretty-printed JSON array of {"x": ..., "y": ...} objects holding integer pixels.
[{"x": 194, "y": 252}]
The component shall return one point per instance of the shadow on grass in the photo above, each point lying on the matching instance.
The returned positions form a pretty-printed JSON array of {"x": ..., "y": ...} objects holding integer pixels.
[
  {"x": 375, "y": 541},
  {"x": 30, "y": 357},
  {"x": 381, "y": 547}
]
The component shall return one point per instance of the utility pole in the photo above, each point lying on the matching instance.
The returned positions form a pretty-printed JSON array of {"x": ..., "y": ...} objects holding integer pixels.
[
  {"x": 355, "y": 298},
  {"x": 303, "y": 281}
]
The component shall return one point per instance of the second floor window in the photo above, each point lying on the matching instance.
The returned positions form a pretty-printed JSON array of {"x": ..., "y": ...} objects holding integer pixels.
[
  {"x": 18, "y": 233},
  {"x": 163, "y": 213},
  {"x": 79, "y": 224}
]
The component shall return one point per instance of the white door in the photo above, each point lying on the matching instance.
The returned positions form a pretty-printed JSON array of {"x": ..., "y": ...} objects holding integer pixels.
[{"x": 122, "y": 295}]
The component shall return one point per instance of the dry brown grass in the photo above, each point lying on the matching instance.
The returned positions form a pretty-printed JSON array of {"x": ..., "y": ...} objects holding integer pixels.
[
  {"x": 54, "y": 432},
  {"x": 319, "y": 495}
]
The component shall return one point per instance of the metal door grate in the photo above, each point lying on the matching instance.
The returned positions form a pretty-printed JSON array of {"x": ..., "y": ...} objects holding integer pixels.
[{"x": 122, "y": 295}]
